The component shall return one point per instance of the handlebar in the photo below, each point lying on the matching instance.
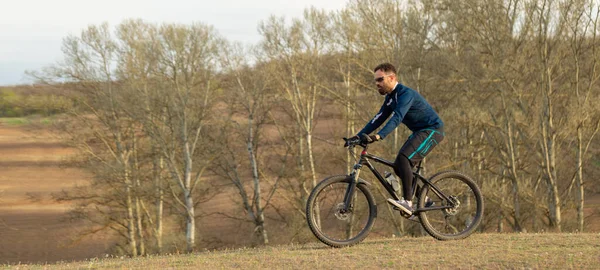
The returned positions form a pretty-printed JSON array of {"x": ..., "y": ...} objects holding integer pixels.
[{"x": 350, "y": 143}]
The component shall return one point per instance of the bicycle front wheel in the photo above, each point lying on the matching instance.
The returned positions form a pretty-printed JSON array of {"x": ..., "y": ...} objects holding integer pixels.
[
  {"x": 466, "y": 211},
  {"x": 330, "y": 222}
]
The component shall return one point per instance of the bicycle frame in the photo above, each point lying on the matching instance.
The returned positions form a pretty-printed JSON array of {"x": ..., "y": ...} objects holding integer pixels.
[{"x": 365, "y": 158}]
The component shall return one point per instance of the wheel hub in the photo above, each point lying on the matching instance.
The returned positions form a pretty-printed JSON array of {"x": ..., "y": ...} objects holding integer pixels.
[
  {"x": 340, "y": 213},
  {"x": 454, "y": 210}
]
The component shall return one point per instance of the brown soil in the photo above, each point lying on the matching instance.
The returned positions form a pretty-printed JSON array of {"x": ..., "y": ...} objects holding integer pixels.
[{"x": 34, "y": 228}]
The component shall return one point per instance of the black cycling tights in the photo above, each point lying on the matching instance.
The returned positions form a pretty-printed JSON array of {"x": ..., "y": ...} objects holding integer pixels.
[{"x": 403, "y": 169}]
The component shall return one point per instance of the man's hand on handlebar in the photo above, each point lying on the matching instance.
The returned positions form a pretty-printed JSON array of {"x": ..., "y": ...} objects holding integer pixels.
[
  {"x": 367, "y": 139},
  {"x": 361, "y": 138},
  {"x": 351, "y": 141}
]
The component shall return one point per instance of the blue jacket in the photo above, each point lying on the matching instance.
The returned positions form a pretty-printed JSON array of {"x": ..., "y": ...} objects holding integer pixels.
[{"x": 407, "y": 106}]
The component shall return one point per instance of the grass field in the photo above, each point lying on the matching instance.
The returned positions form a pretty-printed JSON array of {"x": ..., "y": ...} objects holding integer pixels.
[
  {"x": 480, "y": 251},
  {"x": 33, "y": 229}
]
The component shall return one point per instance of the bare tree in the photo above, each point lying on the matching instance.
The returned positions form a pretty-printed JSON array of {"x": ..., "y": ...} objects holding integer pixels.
[
  {"x": 549, "y": 29},
  {"x": 183, "y": 103},
  {"x": 297, "y": 50},
  {"x": 106, "y": 136},
  {"x": 137, "y": 68},
  {"x": 582, "y": 22},
  {"x": 253, "y": 101}
]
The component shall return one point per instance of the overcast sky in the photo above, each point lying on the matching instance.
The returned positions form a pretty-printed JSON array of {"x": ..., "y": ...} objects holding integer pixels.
[{"x": 31, "y": 31}]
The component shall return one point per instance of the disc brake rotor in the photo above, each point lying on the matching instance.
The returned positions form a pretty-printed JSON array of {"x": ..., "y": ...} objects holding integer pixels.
[
  {"x": 340, "y": 213},
  {"x": 454, "y": 210}
]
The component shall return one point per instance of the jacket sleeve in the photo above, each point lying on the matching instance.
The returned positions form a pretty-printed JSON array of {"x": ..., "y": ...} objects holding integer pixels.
[
  {"x": 403, "y": 103},
  {"x": 379, "y": 118}
]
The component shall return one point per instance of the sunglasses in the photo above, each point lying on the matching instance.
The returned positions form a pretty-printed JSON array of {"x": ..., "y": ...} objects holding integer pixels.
[{"x": 380, "y": 79}]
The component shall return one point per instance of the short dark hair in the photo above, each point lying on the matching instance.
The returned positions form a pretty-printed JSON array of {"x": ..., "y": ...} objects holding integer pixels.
[{"x": 385, "y": 67}]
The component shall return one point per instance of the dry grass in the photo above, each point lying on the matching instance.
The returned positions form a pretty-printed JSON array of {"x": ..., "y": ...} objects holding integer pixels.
[{"x": 480, "y": 251}]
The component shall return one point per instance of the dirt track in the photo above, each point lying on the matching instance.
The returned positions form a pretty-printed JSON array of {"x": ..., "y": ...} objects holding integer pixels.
[{"x": 33, "y": 228}]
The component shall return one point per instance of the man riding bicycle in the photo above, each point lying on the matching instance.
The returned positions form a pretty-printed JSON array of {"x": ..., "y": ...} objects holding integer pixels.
[{"x": 407, "y": 106}]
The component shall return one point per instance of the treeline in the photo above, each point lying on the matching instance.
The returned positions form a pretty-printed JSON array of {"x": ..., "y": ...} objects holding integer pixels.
[
  {"x": 17, "y": 103},
  {"x": 171, "y": 115}
]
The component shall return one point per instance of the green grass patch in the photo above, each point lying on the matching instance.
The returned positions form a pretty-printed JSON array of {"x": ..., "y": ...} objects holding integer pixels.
[
  {"x": 480, "y": 251},
  {"x": 21, "y": 121},
  {"x": 46, "y": 121},
  {"x": 15, "y": 121}
]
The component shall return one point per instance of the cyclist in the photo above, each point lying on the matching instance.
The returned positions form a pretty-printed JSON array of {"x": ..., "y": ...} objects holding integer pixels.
[{"x": 403, "y": 105}]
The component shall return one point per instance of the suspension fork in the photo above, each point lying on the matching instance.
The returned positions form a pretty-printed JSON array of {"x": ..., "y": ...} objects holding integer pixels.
[{"x": 352, "y": 186}]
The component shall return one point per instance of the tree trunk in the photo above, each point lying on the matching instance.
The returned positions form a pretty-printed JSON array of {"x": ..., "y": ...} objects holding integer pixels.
[
  {"x": 514, "y": 178},
  {"x": 190, "y": 232},
  {"x": 502, "y": 198},
  {"x": 130, "y": 222},
  {"x": 140, "y": 228},
  {"x": 311, "y": 159},
  {"x": 580, "y": 187},
  {"x": 349, "y": 119},
  {"x": 550, "y": 176},
  {"x": 260, "y": 218},
  {"x": 549, "y": 136},
  {"x": 138, "y": 211},
  {"x": 262, "y": 230},
  {"x": 159, "y": 193}
]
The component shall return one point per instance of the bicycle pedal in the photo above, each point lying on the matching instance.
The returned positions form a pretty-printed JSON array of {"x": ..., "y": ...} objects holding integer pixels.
[
  {"x": 402, "y": 213},
  {"x": 406, "y": 215},
  {"x": 414, "y": 218}
]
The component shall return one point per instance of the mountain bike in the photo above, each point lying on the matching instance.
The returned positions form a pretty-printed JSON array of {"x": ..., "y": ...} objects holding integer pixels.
[{"x": 341, "y": 209}]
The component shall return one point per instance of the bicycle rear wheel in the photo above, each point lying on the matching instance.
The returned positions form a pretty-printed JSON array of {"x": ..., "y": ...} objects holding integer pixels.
[
  {"x": 459, "y": 221},
  {"x": 326, "y": 216}
]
